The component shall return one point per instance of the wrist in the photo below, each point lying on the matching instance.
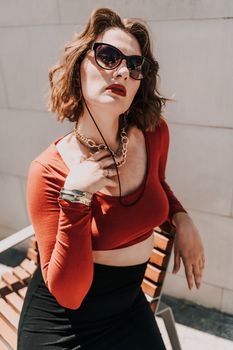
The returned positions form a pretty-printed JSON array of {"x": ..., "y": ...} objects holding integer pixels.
[
  {"x": 70, "y": 187},
  {"x": 179, "y": 217},
  {"x": 76, "y": 196}
]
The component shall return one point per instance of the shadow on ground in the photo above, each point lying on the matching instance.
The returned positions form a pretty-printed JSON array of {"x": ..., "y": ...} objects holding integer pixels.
[
  {"x": 12, "y": 257},
  {"x": 199, "y": 317}
]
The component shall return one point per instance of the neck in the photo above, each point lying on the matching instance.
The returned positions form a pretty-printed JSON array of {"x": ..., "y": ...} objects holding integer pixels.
[{"x": 108, "y": 125}]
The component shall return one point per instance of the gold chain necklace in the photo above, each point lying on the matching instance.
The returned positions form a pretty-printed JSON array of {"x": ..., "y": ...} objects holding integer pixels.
[{"x": 121, "y": 152}]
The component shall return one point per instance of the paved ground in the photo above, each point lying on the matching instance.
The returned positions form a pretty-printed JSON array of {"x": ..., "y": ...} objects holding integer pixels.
[
  {"x": 200, "y": 318},
  {"x": 192, "y": 339},
  {"x": 198, "y": 327}
]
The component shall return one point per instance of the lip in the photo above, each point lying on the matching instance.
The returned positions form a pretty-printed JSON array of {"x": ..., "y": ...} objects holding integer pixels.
[{"x": 117, "y": 89}]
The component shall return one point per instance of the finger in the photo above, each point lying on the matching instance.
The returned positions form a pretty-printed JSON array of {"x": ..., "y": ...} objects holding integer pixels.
[
  {"x": 176, "y": 266},
  {"x": 99, "y": 155},
  {"x": 82, "y": 158},
  {"x": 188, "y": 273},
  {"x": 111, "y": 183},
  {"x": 109, "y": 172},
  {"x": 203, "y": 261},
  {"x": 201, "y": 264},
  {"x": 197, "y": 275},
  {"x": 106, "y": 162}
]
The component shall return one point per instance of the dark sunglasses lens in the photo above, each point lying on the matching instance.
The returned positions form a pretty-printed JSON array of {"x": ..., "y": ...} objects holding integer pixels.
[
  {"x": 107, "y": 57},
  {"x": 138, "y": 67}
]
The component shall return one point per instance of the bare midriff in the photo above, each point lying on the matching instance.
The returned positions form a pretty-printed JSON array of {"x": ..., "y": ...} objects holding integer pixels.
[{"x": 132, "y": 255}]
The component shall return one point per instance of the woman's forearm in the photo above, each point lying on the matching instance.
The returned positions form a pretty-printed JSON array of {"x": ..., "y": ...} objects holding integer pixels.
[{"x": 179, "y": 217}]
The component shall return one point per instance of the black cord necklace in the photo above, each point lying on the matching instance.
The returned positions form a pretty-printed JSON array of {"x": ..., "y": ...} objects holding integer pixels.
[
  {"x": 146, "y": 175},
  {"x": 147, "y": 160}
]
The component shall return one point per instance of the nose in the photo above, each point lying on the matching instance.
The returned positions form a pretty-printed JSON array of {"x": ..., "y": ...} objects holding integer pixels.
[{"x": 122, "y": 70}]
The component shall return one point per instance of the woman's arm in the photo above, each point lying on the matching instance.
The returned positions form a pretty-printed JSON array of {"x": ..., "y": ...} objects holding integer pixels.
[
  {"x": 63, "y": 234},
  {"x": 174, "y": 205},
  {"x": 187, "y": 245}
]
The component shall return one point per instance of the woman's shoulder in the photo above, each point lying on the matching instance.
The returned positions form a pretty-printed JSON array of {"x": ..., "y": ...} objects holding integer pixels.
[
  {"x": 162, "y": 124},
  {"x": 164, "y": 128},
  {"x": 161, "y": 128},
  {"x": 49, "y": 159},
  {"x": 46, "y": 156}
]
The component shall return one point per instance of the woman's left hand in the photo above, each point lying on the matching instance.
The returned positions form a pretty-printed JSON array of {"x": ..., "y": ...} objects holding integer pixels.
[{"x": 188, "y": 247}]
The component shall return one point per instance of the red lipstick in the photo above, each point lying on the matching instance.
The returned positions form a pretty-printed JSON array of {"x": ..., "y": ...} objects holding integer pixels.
[{"x": 117, "y": 89}]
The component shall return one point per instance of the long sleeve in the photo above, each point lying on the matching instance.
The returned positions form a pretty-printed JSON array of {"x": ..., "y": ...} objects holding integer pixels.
[
  {"x": 63, "y": 234},
  {"x": 174, "y": 205}
]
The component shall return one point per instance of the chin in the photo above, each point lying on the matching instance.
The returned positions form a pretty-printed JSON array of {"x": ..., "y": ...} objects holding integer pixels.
[{"x": 112, "y": 103}]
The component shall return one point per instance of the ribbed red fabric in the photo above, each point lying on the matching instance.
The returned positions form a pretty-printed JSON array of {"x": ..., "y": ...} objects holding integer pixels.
[{"x": 67, "y": 232}]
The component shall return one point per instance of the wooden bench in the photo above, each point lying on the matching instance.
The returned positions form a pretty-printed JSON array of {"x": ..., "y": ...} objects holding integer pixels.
[{"x": 13, "y": 284}]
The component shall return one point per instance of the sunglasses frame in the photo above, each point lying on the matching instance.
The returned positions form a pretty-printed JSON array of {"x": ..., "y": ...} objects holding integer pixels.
[{"x": 122, "y": 56}]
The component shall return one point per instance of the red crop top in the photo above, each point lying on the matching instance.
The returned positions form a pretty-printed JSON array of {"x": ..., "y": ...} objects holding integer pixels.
[{"x": 67, "y": 232}]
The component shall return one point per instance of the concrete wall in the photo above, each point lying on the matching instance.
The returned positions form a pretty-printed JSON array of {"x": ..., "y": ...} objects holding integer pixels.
[{"x": 194, "y": 46}]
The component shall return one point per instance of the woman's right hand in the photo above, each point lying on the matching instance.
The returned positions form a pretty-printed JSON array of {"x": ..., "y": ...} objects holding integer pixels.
[{"x": 90, "y": 174}]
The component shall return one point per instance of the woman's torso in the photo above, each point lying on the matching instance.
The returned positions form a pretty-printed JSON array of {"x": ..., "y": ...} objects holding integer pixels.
[{"x": 132, "y": 175}]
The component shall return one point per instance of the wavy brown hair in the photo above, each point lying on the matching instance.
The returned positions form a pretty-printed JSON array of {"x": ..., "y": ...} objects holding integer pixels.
[{"x": 65, "y": 97}]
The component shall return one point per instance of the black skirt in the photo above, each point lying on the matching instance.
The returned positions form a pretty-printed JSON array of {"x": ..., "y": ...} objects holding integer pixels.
[{"x": 114, "y": 315}]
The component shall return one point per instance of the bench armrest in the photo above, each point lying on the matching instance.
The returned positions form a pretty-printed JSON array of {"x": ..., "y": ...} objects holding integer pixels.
[{"x": 16, "y": 238}]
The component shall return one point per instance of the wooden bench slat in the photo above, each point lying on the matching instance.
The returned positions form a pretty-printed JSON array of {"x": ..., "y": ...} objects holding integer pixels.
[
  {"x": 21, "y": 274},
  {"x": 8, "y": 313},
  {"x": 11, "y": 281},
  {"x": 4, "y": 288},
  {"x": 32, "y": 254},
  {"x": 15, "y": 301},
  {"x": 9, "y": 278},
  {"x": 159, "y": 258},
  {"x": 150, "y": 288},
  {"x": 3, "y": 345},
  {"x": 28, "y": 266},
  {"x": 162, "y": 242},
  {"x": 22, "y": 292},
  {"x": 33, "y": 243},
  {"x": 8, "y": 333},
  {"x": 153, "y": 305},
  {"x": 154, "y": 274}
]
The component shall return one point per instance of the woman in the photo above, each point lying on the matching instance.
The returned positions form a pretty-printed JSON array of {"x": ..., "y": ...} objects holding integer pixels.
[{"x": 95, "y": 195}]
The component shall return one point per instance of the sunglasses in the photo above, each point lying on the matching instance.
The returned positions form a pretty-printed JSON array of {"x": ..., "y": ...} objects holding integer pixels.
[{"x": 109, "y": 57}]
